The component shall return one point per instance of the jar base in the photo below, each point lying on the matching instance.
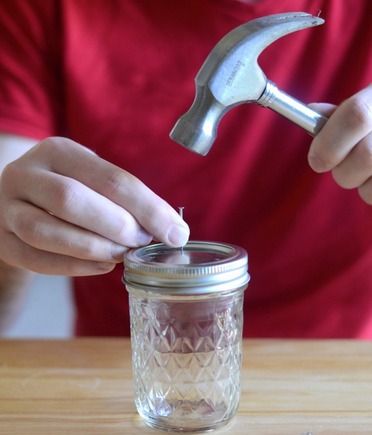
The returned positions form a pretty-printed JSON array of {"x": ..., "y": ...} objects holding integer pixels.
[{"x": 158, "y": 423}]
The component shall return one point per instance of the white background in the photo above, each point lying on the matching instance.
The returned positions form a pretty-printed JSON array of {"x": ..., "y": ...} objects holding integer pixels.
[{"x": 48, "y": 312}]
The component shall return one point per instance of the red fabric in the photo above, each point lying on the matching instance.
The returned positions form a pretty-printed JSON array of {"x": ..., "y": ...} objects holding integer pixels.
[{"x": 116, "y": 75}]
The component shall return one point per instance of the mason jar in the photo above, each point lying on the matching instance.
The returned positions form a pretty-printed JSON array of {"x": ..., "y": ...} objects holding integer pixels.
[{"x": 186, "y": 311}]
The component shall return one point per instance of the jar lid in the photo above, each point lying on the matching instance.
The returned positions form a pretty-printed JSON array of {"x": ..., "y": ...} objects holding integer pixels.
[{"x": 197, "y": 268}]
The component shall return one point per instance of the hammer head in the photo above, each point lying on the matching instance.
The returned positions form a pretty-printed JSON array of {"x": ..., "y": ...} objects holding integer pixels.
[{"x": 231, "y": 76}]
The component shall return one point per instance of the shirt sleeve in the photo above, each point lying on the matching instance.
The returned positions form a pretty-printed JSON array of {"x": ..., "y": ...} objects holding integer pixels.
[{"x": 31, "y": 77}]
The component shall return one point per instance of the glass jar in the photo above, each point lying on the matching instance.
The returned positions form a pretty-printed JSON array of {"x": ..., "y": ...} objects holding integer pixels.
[{"x": 186, "y": 310}]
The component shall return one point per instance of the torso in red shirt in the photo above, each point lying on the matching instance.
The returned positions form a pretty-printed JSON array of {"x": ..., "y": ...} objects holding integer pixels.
[{"x": 116, "y": 75}]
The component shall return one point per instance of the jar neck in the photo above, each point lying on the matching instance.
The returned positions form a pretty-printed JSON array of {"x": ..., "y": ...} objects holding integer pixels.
[{"x": 166, "y": 294}]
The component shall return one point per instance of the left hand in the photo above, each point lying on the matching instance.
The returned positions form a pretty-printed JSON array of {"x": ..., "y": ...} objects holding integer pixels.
[{"x": 344, "y": 145}]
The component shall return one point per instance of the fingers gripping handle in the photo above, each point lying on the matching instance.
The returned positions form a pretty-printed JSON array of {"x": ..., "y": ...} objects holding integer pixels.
[{"x": 292, "y": 109}]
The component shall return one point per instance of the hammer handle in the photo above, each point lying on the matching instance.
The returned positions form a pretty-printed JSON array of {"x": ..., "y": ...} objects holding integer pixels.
[{"x": 292, "y": 109}]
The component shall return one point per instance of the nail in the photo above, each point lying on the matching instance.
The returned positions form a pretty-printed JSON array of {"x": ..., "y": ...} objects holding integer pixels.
[
  {"x": 143, "y": 237},
  {"x": 105, "y": 267},
  {"x": 118, "y": 252},
  {"x": 178, "y": 235}
]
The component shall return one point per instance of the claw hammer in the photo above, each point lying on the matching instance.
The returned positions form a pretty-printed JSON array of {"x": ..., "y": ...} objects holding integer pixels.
[{"x": 231, "y": 76}]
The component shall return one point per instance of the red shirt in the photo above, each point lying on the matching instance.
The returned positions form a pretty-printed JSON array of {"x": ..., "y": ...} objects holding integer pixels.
[{"x": 116, "y": 75}]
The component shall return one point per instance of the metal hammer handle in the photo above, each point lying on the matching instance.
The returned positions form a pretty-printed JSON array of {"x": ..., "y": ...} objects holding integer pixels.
[{"x": 292, "y": 109}]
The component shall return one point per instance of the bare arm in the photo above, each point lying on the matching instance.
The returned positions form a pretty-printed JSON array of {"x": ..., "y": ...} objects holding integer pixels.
[
  {"x": 14, "y": 285},
  {"x": 66, "y": 211},
  {"x": 14, "y": 282}
]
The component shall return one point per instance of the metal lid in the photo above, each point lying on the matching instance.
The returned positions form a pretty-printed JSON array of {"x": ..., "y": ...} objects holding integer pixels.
[{"x": 200, "y": 267}]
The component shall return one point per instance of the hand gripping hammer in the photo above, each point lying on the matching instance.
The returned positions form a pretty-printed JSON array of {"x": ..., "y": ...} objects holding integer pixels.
[{"x": 231, "y": 76}]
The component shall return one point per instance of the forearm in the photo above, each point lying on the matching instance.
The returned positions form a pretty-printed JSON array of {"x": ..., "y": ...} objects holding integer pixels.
[
  {"x": 14, "y": 282},
  {"x": 14, "y": 285}
]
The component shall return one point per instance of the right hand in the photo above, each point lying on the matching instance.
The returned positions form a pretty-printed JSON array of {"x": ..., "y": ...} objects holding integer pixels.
[{"x": 66, "y": 211}]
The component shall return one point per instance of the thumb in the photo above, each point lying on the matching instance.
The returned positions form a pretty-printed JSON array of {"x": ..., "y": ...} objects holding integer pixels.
[{"x": 325, "y": 109}]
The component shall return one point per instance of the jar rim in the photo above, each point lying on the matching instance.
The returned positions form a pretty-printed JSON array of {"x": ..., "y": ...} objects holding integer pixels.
[{"x": 200, "y": 267}]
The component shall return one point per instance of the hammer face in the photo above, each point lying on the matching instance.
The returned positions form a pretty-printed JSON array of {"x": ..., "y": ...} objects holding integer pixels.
[
  {"x": 231, "y": 76},
  {"x": 197, "y": 128}
]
